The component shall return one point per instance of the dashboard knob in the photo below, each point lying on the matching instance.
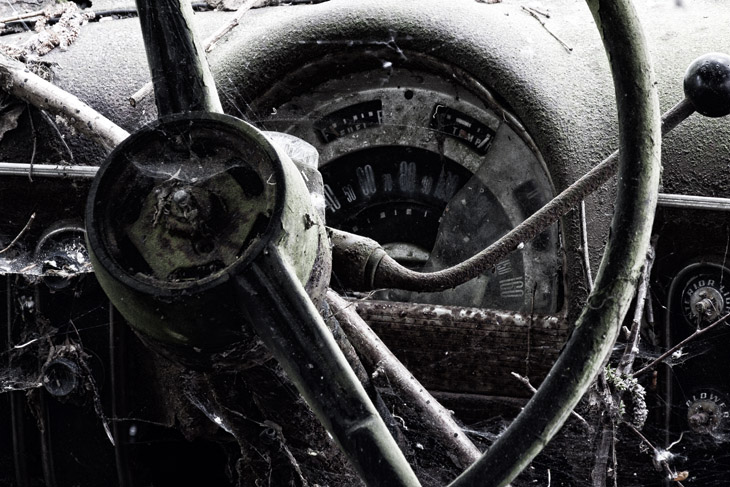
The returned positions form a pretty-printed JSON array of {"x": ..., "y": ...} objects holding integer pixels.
[
  {"x": 703, "y": 416},
  {"x": 707, "y": 84},
  {"x": 702, "y": 293},
  {"x": 707, "y": 412}
]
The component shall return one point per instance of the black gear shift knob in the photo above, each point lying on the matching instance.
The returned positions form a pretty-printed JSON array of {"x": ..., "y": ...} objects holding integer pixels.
[{"x": 707, "y": 84}]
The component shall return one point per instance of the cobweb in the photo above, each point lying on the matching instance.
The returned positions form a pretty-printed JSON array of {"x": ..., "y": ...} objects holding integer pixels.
[{"x": 77, "y": 330}]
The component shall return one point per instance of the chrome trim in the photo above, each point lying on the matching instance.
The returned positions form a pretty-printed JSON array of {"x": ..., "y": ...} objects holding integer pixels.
[
  {"x": 47, "y": 170},
  {"x": 693, "y": 202}
]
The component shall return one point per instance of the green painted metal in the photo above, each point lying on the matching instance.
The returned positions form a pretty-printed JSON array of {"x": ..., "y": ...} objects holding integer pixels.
[
  {"x": 180, "y": 73},
  {"x": 600, "y": 321},
  {"x": 143, "y": 196},
  {"x": 148, "y": 252}
]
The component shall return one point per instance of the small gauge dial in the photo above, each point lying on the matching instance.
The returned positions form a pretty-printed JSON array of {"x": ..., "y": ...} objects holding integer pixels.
[
  {"x": 461, "y": 126},
  {"x": 707, "y": 412},
  {"x": 435, "y": 170},
  {"x": 705, "y": 294}
]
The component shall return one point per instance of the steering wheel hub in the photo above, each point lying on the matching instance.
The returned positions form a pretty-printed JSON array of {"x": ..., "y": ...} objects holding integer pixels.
[{"x": 181, "y": 206}]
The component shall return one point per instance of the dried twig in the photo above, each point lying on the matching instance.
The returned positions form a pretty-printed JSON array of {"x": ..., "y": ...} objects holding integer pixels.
[
  {"x": 681, "y": 344},
  {"x": 657, "y": 455},
  {"x": 20, "y": 82},
  {"x": 141, "y": 94},
  {"x": 541, "y": 12},
  {"x": 54, "y": 125},
  {"x": 534, "y": 13},
  {"x": 35, "y": 143},
  {"x": 377, "y": 355},
  {"x": 25, "y": 228},
  {"x": 598, "y": 473},
  {"x": 612, "y": 396},
  {"x": 17, "y": 17},
  {"x": 626, "y": 363},
  {"x": 211, "y": 41},
  {"x": 584, "y": 244},
  {"x": 527, "y": 383}
]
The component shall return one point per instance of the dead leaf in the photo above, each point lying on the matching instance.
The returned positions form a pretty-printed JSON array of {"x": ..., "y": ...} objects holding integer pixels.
[
  {"x": 9, "y": 119},
  {"x": 681, "y": 476}
]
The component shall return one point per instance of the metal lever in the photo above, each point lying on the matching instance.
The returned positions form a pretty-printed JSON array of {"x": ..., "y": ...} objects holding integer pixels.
[{"x": 283, "y": 316}]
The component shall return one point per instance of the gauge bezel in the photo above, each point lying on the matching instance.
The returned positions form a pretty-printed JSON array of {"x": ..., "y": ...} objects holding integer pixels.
[
  {"x": 683, "y": 278},
  {"x": 410, "y": 87}
]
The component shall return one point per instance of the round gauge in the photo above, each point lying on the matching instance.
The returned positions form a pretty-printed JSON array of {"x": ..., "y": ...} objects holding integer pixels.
[
  {"x": 433, "y": 168},
  {"x": 705, "y": 293},
  {"x": 707, "y": 412}
]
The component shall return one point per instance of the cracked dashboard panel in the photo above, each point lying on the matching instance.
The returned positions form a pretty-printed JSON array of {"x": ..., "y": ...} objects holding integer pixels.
[{"x": 396, "y": 134}]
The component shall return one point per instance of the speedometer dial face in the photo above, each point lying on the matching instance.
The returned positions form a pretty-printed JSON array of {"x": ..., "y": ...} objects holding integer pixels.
[
  {"x": 435, "y": 170},
  {"x": 393, "y": 194}
]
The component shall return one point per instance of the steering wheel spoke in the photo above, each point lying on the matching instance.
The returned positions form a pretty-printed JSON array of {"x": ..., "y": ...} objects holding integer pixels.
[{"x": 180, "y": 73}]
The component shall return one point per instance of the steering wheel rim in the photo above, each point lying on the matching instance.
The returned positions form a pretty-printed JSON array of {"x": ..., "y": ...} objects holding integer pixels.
[{"x": 599, "y": 323}]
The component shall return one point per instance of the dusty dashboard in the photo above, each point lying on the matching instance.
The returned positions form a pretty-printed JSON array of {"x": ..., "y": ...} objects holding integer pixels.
[{"x": 435, "y": 135}]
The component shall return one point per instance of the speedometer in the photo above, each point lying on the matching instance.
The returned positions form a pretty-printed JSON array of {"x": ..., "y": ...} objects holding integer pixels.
[{"x": 424, "y": 160}]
